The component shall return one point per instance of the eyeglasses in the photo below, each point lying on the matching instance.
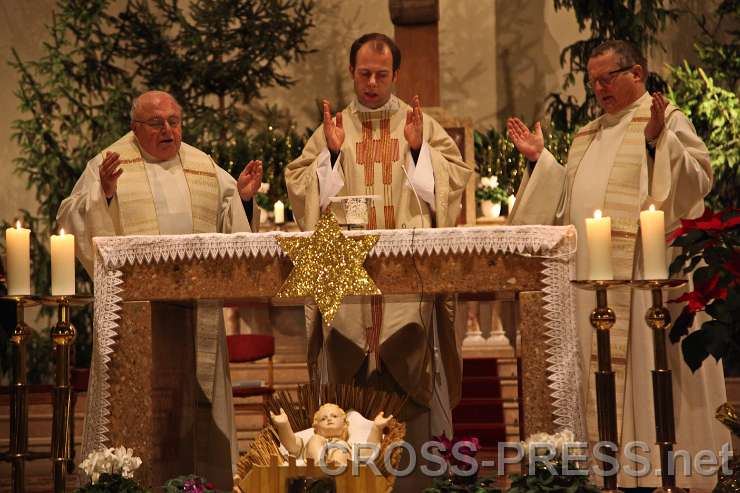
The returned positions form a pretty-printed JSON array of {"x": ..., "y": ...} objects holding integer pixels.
[
  {"x": 158, "y": 123},
  {"x": 607, "y": 78}
]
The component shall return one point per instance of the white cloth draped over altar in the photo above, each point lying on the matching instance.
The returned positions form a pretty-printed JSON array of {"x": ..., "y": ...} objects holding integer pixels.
[{"x": 554, "y": 245}]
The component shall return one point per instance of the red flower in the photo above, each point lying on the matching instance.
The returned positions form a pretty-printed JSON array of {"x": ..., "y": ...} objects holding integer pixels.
[
  {"x": 210, "y": 486},
  {"x": 446, "y": 450},
  {"x": 710, "y": 222},
  {"x": 469, "y": 449},
  {"x": 733, "y": 267},
  {"x": 710, "y": 290},
  {"x": 695, "y": 299}
]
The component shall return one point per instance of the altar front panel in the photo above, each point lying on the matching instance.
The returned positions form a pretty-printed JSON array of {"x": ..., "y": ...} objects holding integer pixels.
[
  {"x": 473, "y": 275},
  {"x": 532, "y": 263},
  {"x": 152, "y": 400}
]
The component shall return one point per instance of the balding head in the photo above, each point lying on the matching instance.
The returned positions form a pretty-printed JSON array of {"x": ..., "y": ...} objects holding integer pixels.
[
  {"x": 156, "y": 120},
  {"x": 150, "y": 98}
]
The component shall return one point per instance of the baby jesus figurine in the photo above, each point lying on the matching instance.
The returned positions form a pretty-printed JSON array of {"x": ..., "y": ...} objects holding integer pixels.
[{"x": 330, "y": 426}]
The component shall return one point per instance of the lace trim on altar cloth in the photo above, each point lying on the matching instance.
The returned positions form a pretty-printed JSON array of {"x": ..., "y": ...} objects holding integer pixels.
[
  {"x": 555, "y": 244},
  {"x": 117, "y": 251}
]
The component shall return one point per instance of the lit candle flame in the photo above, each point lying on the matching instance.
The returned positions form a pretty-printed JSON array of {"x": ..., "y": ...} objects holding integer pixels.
[
  {"x": 652, "y": 208},
  {"x": 61, "y": 232},
  {"x": 597, "y": 214},
  {"x": 18, "y": 224}
]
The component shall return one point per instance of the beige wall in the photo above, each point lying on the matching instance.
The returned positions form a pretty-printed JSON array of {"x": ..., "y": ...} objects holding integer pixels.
[
  {"x": 21, "y": 27},
  {"x": 497, "y": 58}
]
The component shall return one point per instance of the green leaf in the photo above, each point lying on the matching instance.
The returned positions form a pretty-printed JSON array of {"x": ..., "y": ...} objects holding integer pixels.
[
  {"x": 716, "y": 255},
  {"x": 677, "y": 264},
  {"x": 719, "y": 310},
  {"x": 694, "y": 349},
  {"x": 691, "y": 238},
  {"x": 692, "y": 264},
  {"x": 702, "y": 275},
  {"x": 681, "y": 325},
  {"x": 719, "y": 335}
]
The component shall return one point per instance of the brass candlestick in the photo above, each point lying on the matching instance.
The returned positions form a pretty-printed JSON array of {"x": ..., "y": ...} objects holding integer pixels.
[
  {"x": 602, "y": 319},
  {"x": 18, "y": 453},
  {"x": 62, "y": 335},
  {"x": 659, "y": 320}
]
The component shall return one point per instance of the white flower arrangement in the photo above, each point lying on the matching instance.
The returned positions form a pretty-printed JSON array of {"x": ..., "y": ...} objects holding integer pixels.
[
  {"x": 489, "y": 181},
  {"x": 488, "y": 189},
  {"x": 556, "y": 442},
  {"x": 118, "y": 460}
]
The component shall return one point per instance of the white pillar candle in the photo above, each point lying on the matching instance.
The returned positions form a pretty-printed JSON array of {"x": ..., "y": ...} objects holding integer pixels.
[
  {"x": 279, "y": 212},
  {"x": 652, "y": 231},
  {"x": 18, "y": 260},
  {"x": 599, "y": 240},
  {"x": 62, "y": 264},
  {"x": 510, "y": 201}
]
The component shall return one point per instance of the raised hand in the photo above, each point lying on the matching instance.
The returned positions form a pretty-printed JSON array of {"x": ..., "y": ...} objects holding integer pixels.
[
  {"x": 333, "y": 130},
  {"x": 414, "y": 129},
  {"x": 382, "y": 421},
  {"x": 655, "y": 126},
  {"x": 528, "y": 143},
  {"x": 109, "y": 173},
  {"x": 249, "y": 180},
  {"x": 279, "y": 419}
]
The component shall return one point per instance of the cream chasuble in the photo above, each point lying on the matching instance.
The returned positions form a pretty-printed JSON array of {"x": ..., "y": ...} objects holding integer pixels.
[
  {"x": 187, "y": 194},
  {"x": 609, "y": 169},
  {"x": 377, "y": 334}
]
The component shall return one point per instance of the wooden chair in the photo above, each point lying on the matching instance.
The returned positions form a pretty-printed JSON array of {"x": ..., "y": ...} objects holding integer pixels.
[{"x": 245, "y": 348}]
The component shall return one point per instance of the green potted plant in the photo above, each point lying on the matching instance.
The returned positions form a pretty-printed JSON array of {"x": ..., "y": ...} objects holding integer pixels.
[
  {"x": 111, "y": 471},
  {"x": 459, "y": 476},
  {"x": 554, "y": 475},
  {"x": 189, "y": 484},
  {"x": 490, "y": 196}
]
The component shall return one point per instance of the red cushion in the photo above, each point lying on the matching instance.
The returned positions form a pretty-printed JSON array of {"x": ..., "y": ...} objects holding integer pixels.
[{"x": 249, "y": 347}]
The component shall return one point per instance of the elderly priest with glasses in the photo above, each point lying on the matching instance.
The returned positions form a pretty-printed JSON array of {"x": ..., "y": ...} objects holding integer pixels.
[
  {"x": 149, "y": 182},
  {"x": 641, "y": 151}
]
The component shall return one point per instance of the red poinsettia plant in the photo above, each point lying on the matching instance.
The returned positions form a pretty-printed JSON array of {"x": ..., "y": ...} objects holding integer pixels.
[
  {"x": 710, "y": 247},
  {"x": 460, "y": 453}
]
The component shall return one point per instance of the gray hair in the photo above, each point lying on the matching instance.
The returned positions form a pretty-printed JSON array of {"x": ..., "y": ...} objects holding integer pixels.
[
  {"x": 627, "y": 52},
  {"x": 137, "y": 99}
]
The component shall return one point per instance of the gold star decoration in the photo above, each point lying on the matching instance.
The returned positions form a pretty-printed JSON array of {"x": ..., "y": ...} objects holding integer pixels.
[{"x": 328, "y": 266}]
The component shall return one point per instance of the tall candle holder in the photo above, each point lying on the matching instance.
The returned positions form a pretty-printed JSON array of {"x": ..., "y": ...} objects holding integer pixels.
[
  {"x": 602, "y": 319},
  {"x": 63, "y": 336},
  {"x": 659, "y": 320},
  {"x": 18, "y": 452}
]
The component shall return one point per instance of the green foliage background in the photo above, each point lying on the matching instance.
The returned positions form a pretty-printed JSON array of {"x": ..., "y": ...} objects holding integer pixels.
[
  {"x": 76, "y": 99},
  {"x": 707, "y": 94}
]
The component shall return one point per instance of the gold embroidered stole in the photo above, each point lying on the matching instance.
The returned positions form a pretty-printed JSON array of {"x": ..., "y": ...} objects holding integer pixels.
[
  {"x": 378, "y": 147},
  {"x": 138, "y": 215},
  {"x": 622, "y": 203}
]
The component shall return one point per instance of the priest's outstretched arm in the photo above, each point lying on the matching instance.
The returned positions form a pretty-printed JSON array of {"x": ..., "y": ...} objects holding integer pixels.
[
  {"x": 541, "y": 190},
  {"x": 87, "y": 212},
  {"x": 679, "y": 167}
]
